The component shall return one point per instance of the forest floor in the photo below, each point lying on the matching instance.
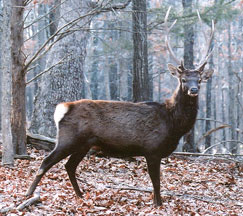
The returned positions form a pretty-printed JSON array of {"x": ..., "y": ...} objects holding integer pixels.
[{"x": 189, "y": 186}]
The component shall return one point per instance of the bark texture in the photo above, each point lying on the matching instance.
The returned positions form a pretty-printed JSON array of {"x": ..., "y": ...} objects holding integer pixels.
[
  {"x": 13, "y": 82},
  {"x": 141, "y": 90},
  {"x": 1, "y": 11},
  {"x": 8, "y": 150},
  {"x": 231, "y": 109},
  {"x": 208, "y": 106},
  {"x": 18, "y": 118},
  {"x": 64, "y": 82}
]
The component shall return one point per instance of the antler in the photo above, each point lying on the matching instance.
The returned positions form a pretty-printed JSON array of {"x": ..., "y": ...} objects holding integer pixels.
[
  {"x": 208, "y": 53},
  {"x": 167, "y": 29},
  {"x": 181, "y": 67}
]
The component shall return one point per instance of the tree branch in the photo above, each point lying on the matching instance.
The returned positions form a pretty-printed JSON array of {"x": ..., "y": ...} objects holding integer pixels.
[
  {"x": 97, "y": 10},
  {"x": 211, "y": 131},
  {"x": 153, "y": 25},
  {"x": 72, "y": 22},
  {"x": 45, "y": 71},
  {"x": 116, "y": 7},
  {"x": 44, "y": 15}
]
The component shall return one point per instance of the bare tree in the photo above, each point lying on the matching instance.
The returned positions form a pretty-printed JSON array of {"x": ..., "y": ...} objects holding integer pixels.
[
  {"x": 209, "y": 106},
  {"x": 188, "y": 59},
  {"x": 65, "y": 82},
  {"x": 231, "y": 107},
  {"x": 13, "y": 81},
  {"x": 1, "y": 15},
  {"x": 141, "y": 89}
]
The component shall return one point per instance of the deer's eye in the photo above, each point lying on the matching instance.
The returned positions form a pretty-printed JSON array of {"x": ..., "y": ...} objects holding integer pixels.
[
  {"x": 183, "y": 80},
  {"x": 199, "y": 81}
]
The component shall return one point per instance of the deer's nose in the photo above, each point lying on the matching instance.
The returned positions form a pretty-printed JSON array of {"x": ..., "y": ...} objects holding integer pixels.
[{"x": 194, "y": 90}]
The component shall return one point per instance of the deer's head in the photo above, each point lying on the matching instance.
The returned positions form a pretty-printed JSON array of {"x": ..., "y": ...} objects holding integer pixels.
[{"x": 190, "y": 80}]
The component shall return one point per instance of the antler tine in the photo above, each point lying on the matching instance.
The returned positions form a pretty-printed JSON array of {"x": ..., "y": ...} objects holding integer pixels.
[
  {"x": 167, "y": 35},
  {"x": 201, "y": 23},
  {"x": 208, "y": 53},
  {"x": 182, "y": 67}
]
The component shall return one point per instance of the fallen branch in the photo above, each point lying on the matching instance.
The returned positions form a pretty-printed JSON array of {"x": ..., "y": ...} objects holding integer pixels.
[
  {"x": 127, "y": 187},
  {"x": 172, "y": 193},
  {"x": 40, "y": 141},
  {"x": 206, "y": 155},
  {"x": 201, "y": 198},
  {"x": 6, "y": 209},
  {"x": 26, "y": 203},
  {"x": 30, "y": 201},
  {"x": 227, "y": 157},
  {"x": 22, "y": 157}
]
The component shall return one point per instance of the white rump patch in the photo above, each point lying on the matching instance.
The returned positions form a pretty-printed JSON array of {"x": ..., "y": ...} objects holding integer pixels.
[{"x": 61, "y": 110}]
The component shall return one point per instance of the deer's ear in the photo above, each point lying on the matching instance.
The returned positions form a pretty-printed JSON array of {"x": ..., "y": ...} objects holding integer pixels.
[
  {"x": 173, "y": 70},
  {"x": 207, "y": 74}
]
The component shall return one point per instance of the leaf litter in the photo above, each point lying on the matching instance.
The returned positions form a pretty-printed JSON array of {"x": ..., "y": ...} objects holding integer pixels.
[{"x": 111, "y": 186}]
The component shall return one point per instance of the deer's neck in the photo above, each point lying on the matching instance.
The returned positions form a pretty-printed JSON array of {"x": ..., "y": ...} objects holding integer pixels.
[{"x": 183, "y": 110}]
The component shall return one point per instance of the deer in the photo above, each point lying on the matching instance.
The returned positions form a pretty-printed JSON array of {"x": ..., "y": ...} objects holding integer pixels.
[{"x": 126, "y": 129}]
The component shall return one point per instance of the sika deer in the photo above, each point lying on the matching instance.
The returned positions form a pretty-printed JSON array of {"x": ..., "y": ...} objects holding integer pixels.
[{"x": 147, "y": 129}]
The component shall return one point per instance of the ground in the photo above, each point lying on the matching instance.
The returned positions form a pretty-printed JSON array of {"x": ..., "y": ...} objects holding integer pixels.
[{"x": 189, "y": 186}]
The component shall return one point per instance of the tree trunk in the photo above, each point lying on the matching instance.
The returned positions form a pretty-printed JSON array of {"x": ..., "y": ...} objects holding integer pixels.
[
  {"x": 65, "y": 82},
  {"x": 141, "y": 90},
  {"x": 123, "y": 81},
  {"x": 188, "y": 144},
  {"x": 208, "y": 106},
  {"x": 54, "y": 16},
  {"x": 240, "y": 93},
  {"x": 1, "y": 12},
  {"x": 94, "y": 80},
  {"x": 223, "y": 113},
  {"x": 107, "y": 94},
  {"x": 188, "y": 36},
  {"x": 18, "y": 120},
  {"x": 8, "y": 148},
  {"x": 94, "y": 74},
  {"x": 13, "y": 82},
  {"x": 231, "y": 110},
  {"x": 113, "y": 79}
]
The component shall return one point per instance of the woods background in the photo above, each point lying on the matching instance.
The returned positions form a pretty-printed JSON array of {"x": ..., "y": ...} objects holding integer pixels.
[{"x": 55, "y": 51}]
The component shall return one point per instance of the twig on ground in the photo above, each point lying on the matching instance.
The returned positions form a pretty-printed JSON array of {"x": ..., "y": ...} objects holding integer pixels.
[
  {"x": 6, "y": 209},
  {"x": 227, "y": 157},
  {"x": 206, "y": 155},
  {"x": 171, "y": 193},
  {"x": 127, "y": 187},
  {"x": 26, "y": 203},
  {"x": 30, "y": 201}
]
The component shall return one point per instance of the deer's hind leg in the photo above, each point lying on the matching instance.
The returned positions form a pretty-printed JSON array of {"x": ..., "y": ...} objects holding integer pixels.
[
  {"x": 71, "y": 167},
  {"x": 65, "y": 147},
  {"x": 53, "y": 158}
]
